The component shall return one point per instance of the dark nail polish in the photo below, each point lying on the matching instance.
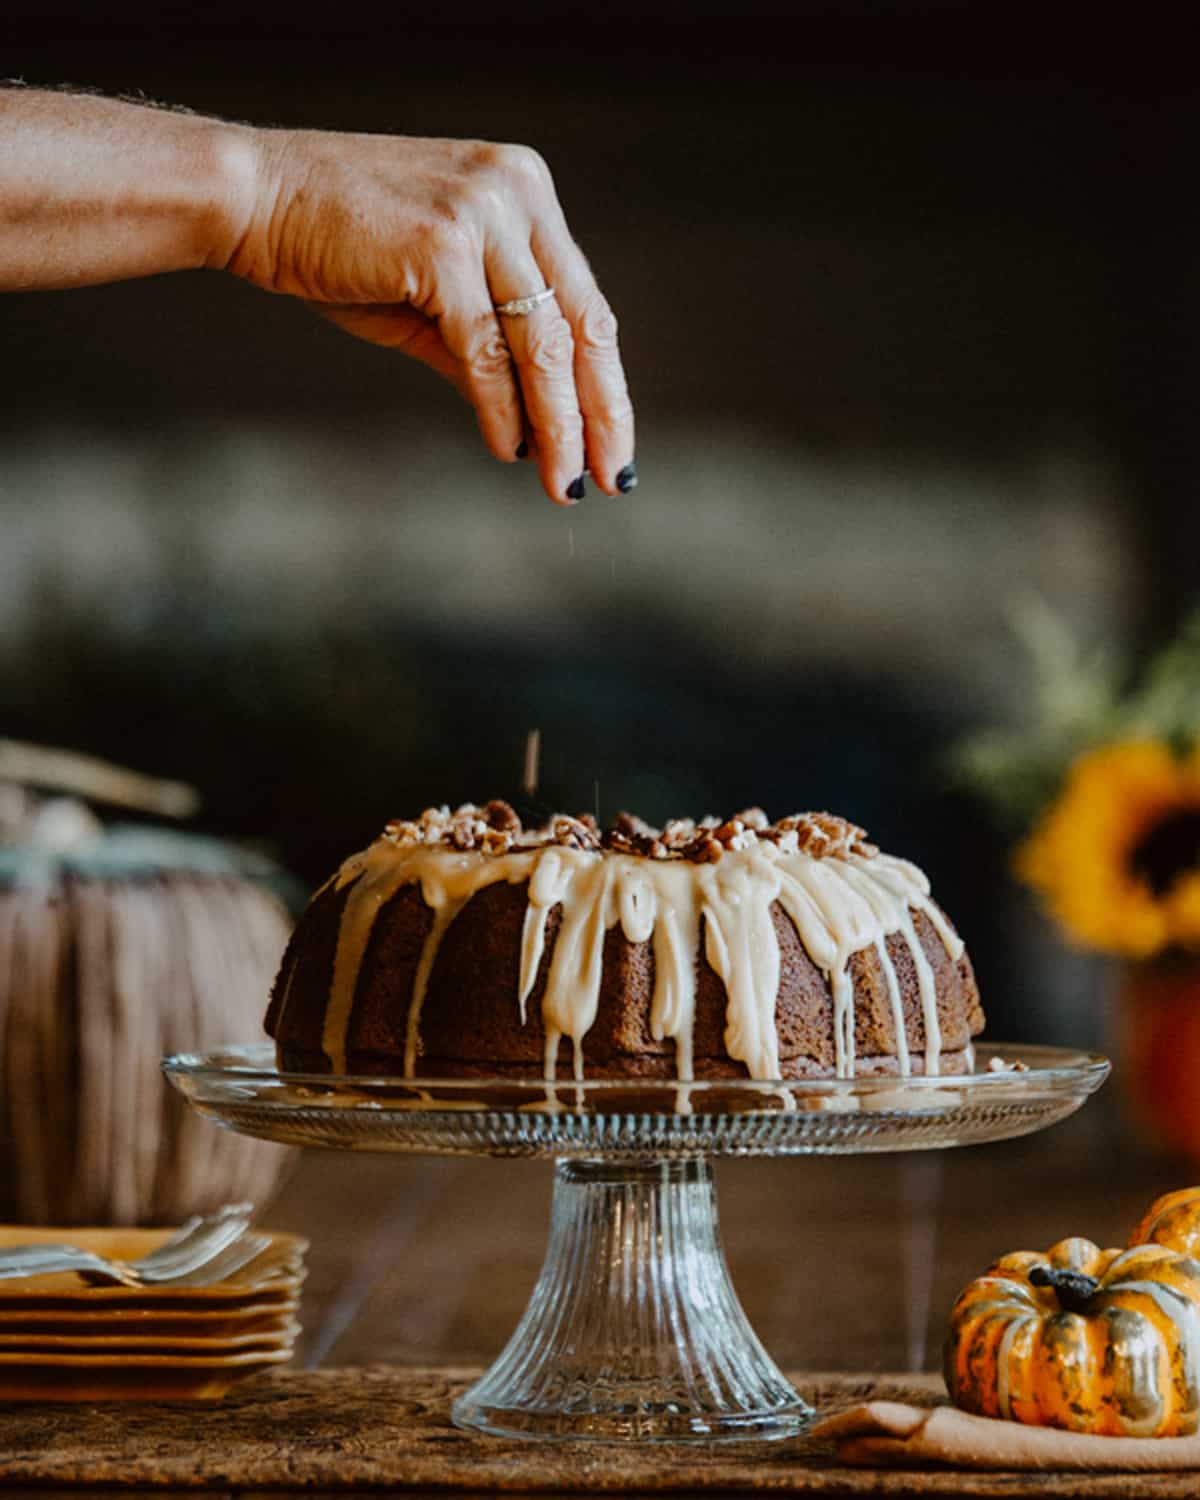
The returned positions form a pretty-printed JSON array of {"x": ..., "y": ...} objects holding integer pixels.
[
  {"x": 523, "y": 449},
  {"x": 576, "y": 489},
  {"x": 627, "y": 479}
]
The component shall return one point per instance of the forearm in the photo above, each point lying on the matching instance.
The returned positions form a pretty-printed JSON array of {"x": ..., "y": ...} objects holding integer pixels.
[{"x": 95, "y": 190}]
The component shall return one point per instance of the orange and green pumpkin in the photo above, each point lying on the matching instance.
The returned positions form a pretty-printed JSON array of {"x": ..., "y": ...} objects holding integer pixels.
[
  {"x": 1100, "y": 1341},
  {"x": 1174, "y": 1221}
]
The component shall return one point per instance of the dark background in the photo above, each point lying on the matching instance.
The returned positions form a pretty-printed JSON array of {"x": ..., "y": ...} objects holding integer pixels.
[{"x": 908, "y": 299}]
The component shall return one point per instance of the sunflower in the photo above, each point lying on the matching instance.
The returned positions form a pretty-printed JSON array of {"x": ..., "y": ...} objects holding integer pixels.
[{"x": 1116, "y": 858}]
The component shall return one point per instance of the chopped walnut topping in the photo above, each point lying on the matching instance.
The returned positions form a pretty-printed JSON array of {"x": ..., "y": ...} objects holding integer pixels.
[
  {"x": 826, "y": 836},
  {"x": 497, "y": 829},
  {"x": 642, "y": 843},
  {"x": 735, "y": 835},
  {"x": 679, "y": 831},
  {"x": 402, "y": 832},
  {"x": 574, "y": 833},
  {"x": 501, "y": 817},
  {"x": 632, "y": 835},
  {"x": 632, "y": 827},
  {"x": 467, "y": 829},
  {"x": 464, "y": 828},
  {"x": 704, "y": 850}
]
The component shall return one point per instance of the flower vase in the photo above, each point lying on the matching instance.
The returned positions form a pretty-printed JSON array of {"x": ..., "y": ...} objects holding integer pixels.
[{"x": 1157, "y": 1052}]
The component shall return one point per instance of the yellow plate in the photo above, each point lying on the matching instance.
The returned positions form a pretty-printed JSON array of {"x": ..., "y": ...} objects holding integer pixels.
[
  {"x": 282, "y": 1336},
  {"x": 134, "y": 1377},
  {"x": 38, "y": 1304},
  {"x": 279, "y": 1267},
  {"x": 187, "y": 1322}
]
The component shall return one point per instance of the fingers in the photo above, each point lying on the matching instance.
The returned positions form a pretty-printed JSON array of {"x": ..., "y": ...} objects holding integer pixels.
[
  {"x": 401, "y": 327},
  {"x": 543, "y": 352},
  {"x": 547, "y": 383},
  {"x": 598, "y": 373},
  {"x": 410, "y": 243},
  {"x": 548, "y": 426},
  {"x": 471, "y": 333}
]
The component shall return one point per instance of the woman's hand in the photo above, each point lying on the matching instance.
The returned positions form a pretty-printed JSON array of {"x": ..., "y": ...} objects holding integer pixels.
[{"x": 411, "y": 243}]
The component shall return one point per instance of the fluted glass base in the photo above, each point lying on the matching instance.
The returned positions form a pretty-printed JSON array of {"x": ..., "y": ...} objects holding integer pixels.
[{"x": 634, "y": 1329}]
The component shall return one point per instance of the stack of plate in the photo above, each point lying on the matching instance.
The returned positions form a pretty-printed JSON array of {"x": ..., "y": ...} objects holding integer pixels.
[{"x": 63, "y": 1340}]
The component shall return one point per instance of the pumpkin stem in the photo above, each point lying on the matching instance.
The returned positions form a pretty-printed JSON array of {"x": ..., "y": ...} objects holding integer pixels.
[{"x": 1074, "y": 1289}]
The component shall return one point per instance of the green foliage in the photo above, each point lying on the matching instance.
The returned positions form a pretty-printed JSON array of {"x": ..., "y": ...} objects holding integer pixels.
[
  {"x": 1077, "y": 704},
  {"x": 1166, "y": 702}
]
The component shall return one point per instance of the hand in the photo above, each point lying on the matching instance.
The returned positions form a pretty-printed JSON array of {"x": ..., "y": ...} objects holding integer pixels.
[{"x": 410, "y": 243}]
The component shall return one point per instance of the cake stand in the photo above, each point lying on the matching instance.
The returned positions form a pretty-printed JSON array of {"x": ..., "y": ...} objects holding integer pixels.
[{"x": 634, "y": 1330}]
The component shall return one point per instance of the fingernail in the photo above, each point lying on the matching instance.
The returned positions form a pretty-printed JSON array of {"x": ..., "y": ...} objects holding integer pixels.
[
  {"x": 523, "y": 449},
  {"x": 576, "y": 489},
  {"x": 627, "y": 479}
]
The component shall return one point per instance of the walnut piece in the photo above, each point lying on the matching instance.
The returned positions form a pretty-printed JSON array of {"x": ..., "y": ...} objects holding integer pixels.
[
  {"x": 704, "y": 850},
  {"x": 574, "y": 833},
  {"x": 501, "y": 817}
]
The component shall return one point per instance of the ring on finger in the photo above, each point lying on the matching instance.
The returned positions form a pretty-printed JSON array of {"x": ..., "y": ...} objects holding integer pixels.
[{"x": 520, "y": 307}]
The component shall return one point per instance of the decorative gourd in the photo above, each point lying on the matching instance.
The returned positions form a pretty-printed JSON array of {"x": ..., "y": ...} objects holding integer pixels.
[
  {"x": 1174, "y": 1221},
  {"x": 117, "y": 945},
  {"x": 1101, "y": 1341}
]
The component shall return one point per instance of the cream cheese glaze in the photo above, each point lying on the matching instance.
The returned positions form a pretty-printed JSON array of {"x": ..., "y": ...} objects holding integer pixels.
[{"x": 839, "y": 906}]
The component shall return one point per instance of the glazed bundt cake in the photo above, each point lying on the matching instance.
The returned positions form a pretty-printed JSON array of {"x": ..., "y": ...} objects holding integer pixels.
[{"x": 463, "y": 944}]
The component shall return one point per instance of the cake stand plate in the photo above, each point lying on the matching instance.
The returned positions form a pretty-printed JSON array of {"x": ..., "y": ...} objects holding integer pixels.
[{"x": 634, "y": 1330}]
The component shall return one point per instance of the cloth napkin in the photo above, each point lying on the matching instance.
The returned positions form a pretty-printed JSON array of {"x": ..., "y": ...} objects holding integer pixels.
[{"x": 879, "y": 1434}]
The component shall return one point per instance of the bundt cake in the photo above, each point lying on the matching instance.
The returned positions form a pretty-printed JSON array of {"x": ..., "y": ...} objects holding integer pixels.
[{"x": 463, "y": 944}]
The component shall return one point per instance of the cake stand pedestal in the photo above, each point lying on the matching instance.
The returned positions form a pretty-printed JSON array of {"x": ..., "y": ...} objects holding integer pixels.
[{"x": 634, "y": 1330}]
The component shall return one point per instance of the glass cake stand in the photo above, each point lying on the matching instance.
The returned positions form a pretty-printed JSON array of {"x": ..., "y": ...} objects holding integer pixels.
[{"x": 634, "y": 1330}]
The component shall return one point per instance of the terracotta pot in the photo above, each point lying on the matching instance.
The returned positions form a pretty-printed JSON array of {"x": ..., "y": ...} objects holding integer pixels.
[{"x": 1157, "y": 1052}]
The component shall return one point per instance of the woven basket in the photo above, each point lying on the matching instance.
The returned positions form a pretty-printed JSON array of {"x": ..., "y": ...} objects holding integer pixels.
[{"x": 126, "y": 945}]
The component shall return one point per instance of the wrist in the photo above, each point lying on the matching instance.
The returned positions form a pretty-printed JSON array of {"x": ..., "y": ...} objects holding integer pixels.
[{"x": 239, "y": 158}]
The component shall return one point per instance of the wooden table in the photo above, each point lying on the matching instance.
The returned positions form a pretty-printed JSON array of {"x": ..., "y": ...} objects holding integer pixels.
[
  {"x": 424, "y": 1266},
  {"x": 384, "y": 1430}
]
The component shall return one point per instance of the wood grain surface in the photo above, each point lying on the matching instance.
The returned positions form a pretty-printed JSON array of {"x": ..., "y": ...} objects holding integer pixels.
[{"x": 380, "y": 1428}]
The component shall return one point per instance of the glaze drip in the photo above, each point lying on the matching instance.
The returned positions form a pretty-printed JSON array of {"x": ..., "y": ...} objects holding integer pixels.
[{"x": 838, "y": 907}]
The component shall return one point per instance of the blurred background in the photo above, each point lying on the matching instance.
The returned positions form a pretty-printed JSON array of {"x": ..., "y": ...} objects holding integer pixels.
[{"x": 909, "y": 309}]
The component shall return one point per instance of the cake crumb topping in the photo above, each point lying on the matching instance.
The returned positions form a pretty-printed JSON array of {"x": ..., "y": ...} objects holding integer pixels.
[{"x": 496, "y": 828}]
